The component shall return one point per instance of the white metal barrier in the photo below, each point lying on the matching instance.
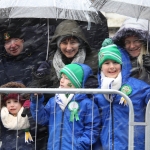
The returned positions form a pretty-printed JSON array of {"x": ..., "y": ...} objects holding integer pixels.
[{"x": 95, "y": 91}]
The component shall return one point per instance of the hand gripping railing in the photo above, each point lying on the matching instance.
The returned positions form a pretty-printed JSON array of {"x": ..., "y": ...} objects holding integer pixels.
[{"x": 95, "y": 91}]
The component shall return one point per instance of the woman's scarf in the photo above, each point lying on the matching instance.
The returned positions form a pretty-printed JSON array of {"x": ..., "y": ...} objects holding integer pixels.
[
  {"x": 110, "y": 83},
  {"x": 58, "y": 63},
  {"x": 14, "y": 122}
]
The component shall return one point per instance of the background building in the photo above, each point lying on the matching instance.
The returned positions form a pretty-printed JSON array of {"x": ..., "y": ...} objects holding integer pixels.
[{"x": 114, "y": 22}]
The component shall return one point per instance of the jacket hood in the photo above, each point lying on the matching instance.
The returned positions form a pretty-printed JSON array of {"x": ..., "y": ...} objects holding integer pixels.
[
  {"x": 132, "y": 26},
  {"x": 87, "y": 71},
  {"x": 125, "y": 69},
  {"x": 69, "y": 27}
]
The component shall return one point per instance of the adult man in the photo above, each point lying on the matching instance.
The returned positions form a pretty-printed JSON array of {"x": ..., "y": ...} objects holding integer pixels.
[{"x": 19, "y": 54}]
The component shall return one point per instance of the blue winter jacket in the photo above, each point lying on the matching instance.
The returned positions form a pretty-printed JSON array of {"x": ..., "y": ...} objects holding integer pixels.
[
  {"x": 115, "y": 117},
  {"x": 66, "y": 135}
]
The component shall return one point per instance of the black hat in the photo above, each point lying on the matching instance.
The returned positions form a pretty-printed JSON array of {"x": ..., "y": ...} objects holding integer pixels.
[{"x": 8, "y": 32}]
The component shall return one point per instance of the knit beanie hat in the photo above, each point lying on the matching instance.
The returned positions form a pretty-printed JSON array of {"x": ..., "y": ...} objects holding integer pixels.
[
  {"x": 109, "y": 51},
  {"x": 75, "y": 74},
  {"x": 21, "y": 97}
]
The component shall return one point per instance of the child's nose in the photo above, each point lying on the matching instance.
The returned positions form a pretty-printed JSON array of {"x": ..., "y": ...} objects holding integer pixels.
[
  {"x": 111, "y": 65},
  {"x": 62, "y": 80}
]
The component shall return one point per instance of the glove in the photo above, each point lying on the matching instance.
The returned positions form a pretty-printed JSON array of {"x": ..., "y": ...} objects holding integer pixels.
[
  {"x": 33, "y": 97},
  {"x": 44, "y": 68},
  {"x": 146, "y": 62},
  {"x": 91, "y": 82},
  {"x": 26, "y": 106}
]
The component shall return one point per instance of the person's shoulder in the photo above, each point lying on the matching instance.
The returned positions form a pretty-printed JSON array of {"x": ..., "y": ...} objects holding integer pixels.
[{"x": 137, "y": 83}]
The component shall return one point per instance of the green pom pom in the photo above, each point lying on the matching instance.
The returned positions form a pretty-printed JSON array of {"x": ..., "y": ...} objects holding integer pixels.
[{"x": 107, "y": 42}]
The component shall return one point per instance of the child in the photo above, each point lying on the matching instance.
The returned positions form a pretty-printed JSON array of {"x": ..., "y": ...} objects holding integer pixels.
[
  {"x": 114, "y": 74},
  {"x": 15, "y": 129},
  {"x": 73, "y": 119},
  {"x": 25, "y": 123}
]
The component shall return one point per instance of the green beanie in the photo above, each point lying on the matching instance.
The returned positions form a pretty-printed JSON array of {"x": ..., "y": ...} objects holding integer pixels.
[
  {"x": 109, "y": 52},
  {"x": 75, "y": 74}
]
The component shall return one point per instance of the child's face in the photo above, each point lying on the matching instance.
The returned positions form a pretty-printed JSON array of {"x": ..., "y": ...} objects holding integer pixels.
[
  {"x": 13, "y": 106},
  {"x": 111, "y": 69},
  {"x": 65, "y": 82}
]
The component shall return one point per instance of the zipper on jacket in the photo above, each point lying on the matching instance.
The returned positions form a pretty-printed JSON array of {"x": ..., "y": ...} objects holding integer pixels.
[{"x": 62, "y": 123}]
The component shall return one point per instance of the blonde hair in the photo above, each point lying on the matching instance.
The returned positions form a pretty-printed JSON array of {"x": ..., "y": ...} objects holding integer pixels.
[{"x": 139, "y": 58}]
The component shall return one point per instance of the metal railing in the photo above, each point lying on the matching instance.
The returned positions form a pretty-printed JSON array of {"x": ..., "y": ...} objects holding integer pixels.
[{"x": 97, "y": 91}]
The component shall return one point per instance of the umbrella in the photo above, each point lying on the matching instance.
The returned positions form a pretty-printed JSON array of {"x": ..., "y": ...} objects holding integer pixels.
[
  {"x": 132, "y": 8},
  {"x": 58, "y": 9}
]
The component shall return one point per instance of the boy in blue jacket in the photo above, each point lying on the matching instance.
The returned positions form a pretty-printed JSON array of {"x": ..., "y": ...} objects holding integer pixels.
[
  {"x": 72, "y": 122},
  {"x": 114, "y": 74}
]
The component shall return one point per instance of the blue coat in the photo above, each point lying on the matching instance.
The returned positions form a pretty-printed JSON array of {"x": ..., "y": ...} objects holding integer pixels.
[
  {"x": 114, "y": 132},
  {"x": 63, "y": 134}
]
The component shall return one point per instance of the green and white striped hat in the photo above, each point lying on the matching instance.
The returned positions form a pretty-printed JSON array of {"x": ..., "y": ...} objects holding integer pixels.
[
  {"x": 110, "y": 52},
  {"x": 75, "y": 74}
]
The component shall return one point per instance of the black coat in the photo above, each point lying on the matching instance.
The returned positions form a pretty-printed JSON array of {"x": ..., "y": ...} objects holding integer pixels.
[{"x": 19, "y": 68}]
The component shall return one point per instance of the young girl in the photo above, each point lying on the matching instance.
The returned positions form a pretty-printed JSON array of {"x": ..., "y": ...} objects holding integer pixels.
[
  {"x": 15, "y": 129},
  {"x": 73, "y": 119},
  {"x": 17, "y": 124},
  {"x": 114, "y": 74}
]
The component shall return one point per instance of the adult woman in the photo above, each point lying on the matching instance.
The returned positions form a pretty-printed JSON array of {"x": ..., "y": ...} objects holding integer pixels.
[
  {"x": 68, "y": 45},
  {"x": 133, "y": 36}
]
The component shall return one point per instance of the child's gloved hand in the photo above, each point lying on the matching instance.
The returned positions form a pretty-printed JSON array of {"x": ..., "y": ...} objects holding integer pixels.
[
  {"x": 34, "y": 97},
  {"x": 26, "y": 104}
]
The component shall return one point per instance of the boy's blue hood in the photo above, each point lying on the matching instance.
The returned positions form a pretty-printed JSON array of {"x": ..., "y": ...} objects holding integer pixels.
[
  {"x": 126, "y": 65},
  {"x": 87, "y": 71}
]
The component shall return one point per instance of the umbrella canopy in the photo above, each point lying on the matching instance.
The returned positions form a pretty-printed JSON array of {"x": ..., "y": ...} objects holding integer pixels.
[
  {"x": 59, "y": 9},
  {"x": 132, "y": 8}
]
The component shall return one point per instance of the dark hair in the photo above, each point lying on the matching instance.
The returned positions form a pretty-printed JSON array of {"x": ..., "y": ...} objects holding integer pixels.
[
  {"x": 22, "y": 97},
  {"x": 70, "y": 38}
]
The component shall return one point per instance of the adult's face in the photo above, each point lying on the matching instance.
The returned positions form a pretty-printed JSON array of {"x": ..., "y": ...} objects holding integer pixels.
[
  {"x": 133, "y": 46},
  {"x": 111, "y": 69},
  {"x": 14, "y": 46},
  {"x": 69, "y": 47}
]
